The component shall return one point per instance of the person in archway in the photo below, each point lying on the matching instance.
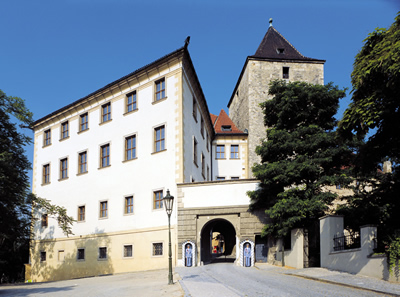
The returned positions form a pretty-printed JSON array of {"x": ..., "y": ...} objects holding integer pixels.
[
  {"x": 247, "y": 255},
  {"x": 188, "y": 255}
]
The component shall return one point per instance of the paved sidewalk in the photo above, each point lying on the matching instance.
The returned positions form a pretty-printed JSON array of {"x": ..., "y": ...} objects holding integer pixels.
[
  {"x": 145, "y": 283},
  {"x": 337, "y": 277}
]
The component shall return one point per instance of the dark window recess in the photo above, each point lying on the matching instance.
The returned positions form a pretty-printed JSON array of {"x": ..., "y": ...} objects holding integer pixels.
[
  {"x": 285, "y": 73},
  {"x": 226, "y": 128},
  {"x": 280, "y": 50}
]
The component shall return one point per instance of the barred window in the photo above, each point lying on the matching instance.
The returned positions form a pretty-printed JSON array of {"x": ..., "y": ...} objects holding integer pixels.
[
  {"x": 102, "y": 253},
  {"x": 157, "y": 249},
  {"x": 128, "y": 251}
]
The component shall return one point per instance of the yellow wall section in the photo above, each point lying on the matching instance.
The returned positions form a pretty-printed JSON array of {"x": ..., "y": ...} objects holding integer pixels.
[{"x": 142, "y": 259}]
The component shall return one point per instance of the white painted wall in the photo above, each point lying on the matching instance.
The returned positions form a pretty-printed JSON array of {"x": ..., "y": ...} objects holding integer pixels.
[
  {"x": 192, "y": 129},
  {"x": 295, "y": 256},
  {"x": 137, "y": 177},
  {"x": 356, "y": 261},
  {"x": 228, "y": 167},
  {"x": 213, "y": 194}
]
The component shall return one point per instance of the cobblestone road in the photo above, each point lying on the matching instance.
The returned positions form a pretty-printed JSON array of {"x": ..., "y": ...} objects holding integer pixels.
[{"x": 226, "y": 279}]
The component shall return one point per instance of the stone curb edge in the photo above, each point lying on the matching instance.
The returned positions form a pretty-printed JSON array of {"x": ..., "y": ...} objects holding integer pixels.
[{"x": 342, "y": 284}]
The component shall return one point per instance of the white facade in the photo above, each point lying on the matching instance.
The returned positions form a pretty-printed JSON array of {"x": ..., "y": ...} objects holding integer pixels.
[
  {"x": 233, "y": 164},
  {"x": 103, "y": 191}
]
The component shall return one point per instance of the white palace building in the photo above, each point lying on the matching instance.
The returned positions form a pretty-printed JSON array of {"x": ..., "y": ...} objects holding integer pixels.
[{"x": 110, "y": 157}]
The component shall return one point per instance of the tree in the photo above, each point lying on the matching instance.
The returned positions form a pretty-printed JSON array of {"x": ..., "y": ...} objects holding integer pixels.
[
  {"x": 300, "y": 157},
  {"x": 375, "y": 112},
  {"x": 16, "y": 201},
  {"x": 375, "y": 98}
]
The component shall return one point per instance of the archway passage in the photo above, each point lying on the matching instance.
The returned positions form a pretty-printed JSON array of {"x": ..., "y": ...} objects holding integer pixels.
[{"x": 218, "y": 242}]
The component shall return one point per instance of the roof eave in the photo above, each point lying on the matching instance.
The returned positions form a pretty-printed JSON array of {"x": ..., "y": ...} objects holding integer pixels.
[{"x": 159, "y": 61}]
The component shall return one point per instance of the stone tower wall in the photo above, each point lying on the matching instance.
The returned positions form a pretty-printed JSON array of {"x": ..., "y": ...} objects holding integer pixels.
[{"x": 253, "y": 90}]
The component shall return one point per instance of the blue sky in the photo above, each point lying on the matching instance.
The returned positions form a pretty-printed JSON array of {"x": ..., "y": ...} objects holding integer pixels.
[{"x": 55, "y": 52}]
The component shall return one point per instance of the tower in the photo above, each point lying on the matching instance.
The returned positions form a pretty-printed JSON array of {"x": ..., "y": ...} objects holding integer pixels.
[{"x": 275, "y": 58}]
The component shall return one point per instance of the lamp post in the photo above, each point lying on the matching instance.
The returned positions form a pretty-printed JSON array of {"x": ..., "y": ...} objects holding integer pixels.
[{"x": 169, "y": 202}]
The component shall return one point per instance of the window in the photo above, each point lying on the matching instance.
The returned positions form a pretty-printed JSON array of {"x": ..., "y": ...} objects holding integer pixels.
[
  {"x": 208, "y": 173},
  {"x": 81, "y": 213},
  {"x": 47, "y": 137},
  {"x": 61, "y": 256},
  {"x": 64, "y": 168},
  {"x": 44, "y": 221},
  {"x": 159, "y": 137},
  {"x": 160, "y": 89},
  {"x": 220, "y": 154},
  {"x": 203, "y": 166},
  {"x": 131, "y": 102},
  {"x": 103, "y": 209},
  {"x": 102, "y": 253},
  {"x": 46, "y": 174},
  {"x": 82, "y": 162},
  {"x": 157, "y": 199},
  {"x": 128, "y": 251},
  {"x": 285, "y": 73},
  {"x": 83, "y": 122},
  {"x": 130, "y": 147},
  {"x": 64, "y": 130},
  {"x": 234, "y": 177},
  {"x": 80, "y": 254},
  {"x": 280, "y": 50},
  {"x": 220, "y": 178},
  {"x": 195, "y": 151},
  {"x": 42, "y": 256},
  {"x": 202, "y": 127},
  {"x": 226, "y": 128},
  {"x": 129, "y": 205},
  {"x": 106, "y": 112},
  {"x": 207, "y": 141},
  {"x": 105, "y": 155},
  {"x": 234, "y": 152},
  {"x": 157, "y": 249},
  {"x": 194, "y": 109}
]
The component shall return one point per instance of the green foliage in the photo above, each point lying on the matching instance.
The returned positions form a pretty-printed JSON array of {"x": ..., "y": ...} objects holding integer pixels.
[
  {"x": 58, "y": 212},
  {"x": 393, "y": 255},
  {"x": 375, "y": 100},
  {"x": 15, "y": 199},
  {"x": 375, "y": 109},
  {"x": 301, "y": 155},
  {"x": 14, "y": 187}
]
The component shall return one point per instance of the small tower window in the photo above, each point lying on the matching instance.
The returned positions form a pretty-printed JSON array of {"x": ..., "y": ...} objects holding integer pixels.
[
  {"x": 226, "y": 128},
  {"x": 285, "y": 72},
  {"x": 280, "y": 50}
]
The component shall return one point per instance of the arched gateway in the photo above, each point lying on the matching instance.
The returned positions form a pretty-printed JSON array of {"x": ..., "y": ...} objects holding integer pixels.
[
  {"x": 218, "y": 240},
  {"x": 216, "y": 222}
]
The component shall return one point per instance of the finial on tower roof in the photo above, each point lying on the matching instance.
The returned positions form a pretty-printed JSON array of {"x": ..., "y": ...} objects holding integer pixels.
[{"x": 270, "y": 22}]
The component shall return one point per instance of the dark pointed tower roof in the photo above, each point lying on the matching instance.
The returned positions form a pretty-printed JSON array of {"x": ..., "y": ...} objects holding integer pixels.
[{"x": 275, "y": 46}]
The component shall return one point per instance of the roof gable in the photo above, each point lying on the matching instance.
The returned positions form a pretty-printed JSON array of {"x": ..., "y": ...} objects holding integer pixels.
[
  {"x": 275, "y": 46},
  {"x": 224, "y": 125}
]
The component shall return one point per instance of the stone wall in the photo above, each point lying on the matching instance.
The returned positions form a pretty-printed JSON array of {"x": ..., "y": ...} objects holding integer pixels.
[{"x": 253, "y": 90}]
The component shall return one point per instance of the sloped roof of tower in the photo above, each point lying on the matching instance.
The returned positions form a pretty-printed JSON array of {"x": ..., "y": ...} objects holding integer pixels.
[
  {"x": 275, "y": 46},
  {"x": 224, "y": 125}
]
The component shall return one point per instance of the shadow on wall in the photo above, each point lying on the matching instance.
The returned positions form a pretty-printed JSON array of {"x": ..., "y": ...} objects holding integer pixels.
[{"x": 64, "y": 261}]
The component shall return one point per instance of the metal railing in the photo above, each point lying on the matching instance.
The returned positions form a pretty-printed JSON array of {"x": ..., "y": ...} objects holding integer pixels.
[{"x": 346, "y": 242}]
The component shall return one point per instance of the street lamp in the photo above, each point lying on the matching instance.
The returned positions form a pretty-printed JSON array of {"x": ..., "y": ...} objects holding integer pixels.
[{"x": 169, "y": 202}]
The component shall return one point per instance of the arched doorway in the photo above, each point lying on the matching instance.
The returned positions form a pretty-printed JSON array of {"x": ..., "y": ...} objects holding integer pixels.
[{"x": 218, "y": 241}]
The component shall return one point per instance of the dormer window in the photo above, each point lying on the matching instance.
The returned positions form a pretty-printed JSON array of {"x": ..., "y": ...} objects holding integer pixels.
[
  {"x": 280, "y": 50},
  {"x": 226, "y": 128}
]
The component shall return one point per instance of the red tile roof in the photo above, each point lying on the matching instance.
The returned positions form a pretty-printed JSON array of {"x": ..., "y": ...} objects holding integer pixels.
[
  {"x": 224, "y": 125},
  {"x": 213, "y": 118}
]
